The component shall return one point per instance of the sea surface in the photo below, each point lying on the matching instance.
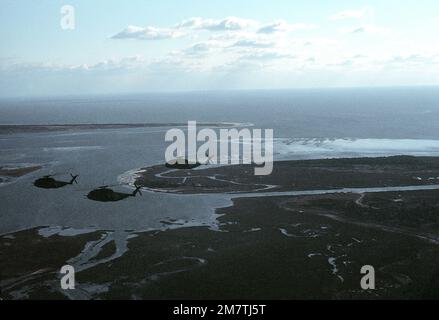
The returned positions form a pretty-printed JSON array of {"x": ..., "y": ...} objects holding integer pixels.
[{"x": 307, "y": 124}]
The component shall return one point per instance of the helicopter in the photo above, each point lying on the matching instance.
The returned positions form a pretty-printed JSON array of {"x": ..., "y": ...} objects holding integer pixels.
[
  {"x": 176, "y": 163},
  {"x": 185, "y": 165},
  {"x": 47, "y": 182},
  {"x": 105, "y": 194}
]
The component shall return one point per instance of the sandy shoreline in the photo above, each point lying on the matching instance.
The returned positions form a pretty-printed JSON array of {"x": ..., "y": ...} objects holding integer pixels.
[
  {"x": 9, "y": 174},
  {"x": 22, "y": 128},
  {"x": 18, "y": 171}
]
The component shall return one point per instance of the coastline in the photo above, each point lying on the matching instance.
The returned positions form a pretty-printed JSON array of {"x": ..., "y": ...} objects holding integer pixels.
[
  {"x": 25, "y": 128},
  {"x": 308, "y": 246},
  {"x": 292, "y": 175}
]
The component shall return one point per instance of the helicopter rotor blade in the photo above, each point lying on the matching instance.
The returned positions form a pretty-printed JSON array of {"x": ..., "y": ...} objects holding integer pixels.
[{"x": 74, "y": 177}]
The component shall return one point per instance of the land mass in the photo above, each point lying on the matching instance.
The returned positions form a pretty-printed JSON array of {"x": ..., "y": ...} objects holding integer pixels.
[
  {"x": 17, "y": 172},
  {"x": 294, "y": 175},
  {"x": 22, "y": 128},
  {"x": 279, "y": 247}
]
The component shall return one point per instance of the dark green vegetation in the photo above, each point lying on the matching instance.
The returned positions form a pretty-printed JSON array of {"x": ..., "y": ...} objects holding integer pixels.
[
  {"x": 30, "y": 263},
  {"x": 282, "y": 248},
  {"x": 277, "y": 247},
  {"x": 297, "y": 175},
  {"x": 289, "y": 247}
]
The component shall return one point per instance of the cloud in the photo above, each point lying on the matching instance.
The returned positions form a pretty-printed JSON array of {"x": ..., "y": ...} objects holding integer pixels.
[
  {"x": 414, "y": 59},
  {"x": 201, "y": 48},
  {"x": 257, "y": 67},
  {"x": 367, "y": 28},
  {"x": 283, "y": 26},
  {"x": 231, "y": 25},
  {"x": 350, "y": 14},
  {"x": 125, "y": 63},
  {"x": 252, "y": 44},
  {"x": 228, "y": 23},
  {"x": 148, "y": 33},
  {"x": 265, "y": 55},
  {"x": 230, "y": 46},
  {"x": 237, "y": 66}
]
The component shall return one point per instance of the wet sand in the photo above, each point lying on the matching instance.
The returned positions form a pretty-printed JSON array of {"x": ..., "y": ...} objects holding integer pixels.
[
  {"x": 19, "y": 128},
  {"x": 9, "y": 174},
  {"x": 18, "y": 172}
]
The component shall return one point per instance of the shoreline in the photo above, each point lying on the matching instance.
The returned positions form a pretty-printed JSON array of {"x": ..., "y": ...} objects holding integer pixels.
[
  {"x": 267, "y": 245},
  {"x": 290, "y": 175},
  {"x": 17, "y": 172},
  {"x": 310, "y": 247},
  {"x": 28, "y": 128}
]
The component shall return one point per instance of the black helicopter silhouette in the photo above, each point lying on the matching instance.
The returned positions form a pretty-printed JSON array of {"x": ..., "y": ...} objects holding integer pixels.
[
  {"x": 47, "y": 182},
  {"x": 105, "y": 194},
  {"x": 176, "y": 163}
]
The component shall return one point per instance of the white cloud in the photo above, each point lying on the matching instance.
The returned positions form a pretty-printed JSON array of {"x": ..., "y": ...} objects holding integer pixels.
[
  {"x": 254, "y": 67},
  {"x": 232, "y": 27},
  {"x": 283, "y": 26},
  {"x": 148, "y": 33},
  {"x": 202, "y": 48},
  {"x": 367, "y": 28},
  {"x": 252, "y": 49},
  {"x": 414, "y": 60},
  {"x": 198, "y": 48},
  {"x": 125, "y": 63},
  {"x": 252, "y": 43},
  {"x": 228, "y": 23},
  {"x": 265, "y": 55},
  {"x": 350, "y": 14}
]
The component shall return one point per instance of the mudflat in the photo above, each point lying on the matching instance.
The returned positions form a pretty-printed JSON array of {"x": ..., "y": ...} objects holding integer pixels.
[
  {"x": 23, "y": 128},
  {"x": 276, "y": 247},
  {"x": 295, "y": 175},
  {"x": 17, "y": 172}
]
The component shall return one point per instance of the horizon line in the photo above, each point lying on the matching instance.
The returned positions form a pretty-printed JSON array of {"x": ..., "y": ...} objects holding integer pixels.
[{"x": 173, "y": 92}]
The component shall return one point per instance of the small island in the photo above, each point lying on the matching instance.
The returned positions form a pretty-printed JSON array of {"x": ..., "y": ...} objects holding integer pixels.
[{"x": 293, "y": 175}]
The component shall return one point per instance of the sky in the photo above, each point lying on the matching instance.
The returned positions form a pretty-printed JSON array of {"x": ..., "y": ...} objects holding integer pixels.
[{"x": 115, "y": 47}]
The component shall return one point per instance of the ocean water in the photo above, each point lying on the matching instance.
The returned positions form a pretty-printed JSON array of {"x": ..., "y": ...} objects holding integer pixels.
[
  {"x": 307, "y": 124},
  {"x": 411, "y": 113}
]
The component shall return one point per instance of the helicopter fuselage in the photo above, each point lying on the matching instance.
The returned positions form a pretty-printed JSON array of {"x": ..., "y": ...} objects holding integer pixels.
[
  {"x": 107, "y": 195},
  {"x": 49, "y": 183}
]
